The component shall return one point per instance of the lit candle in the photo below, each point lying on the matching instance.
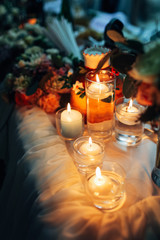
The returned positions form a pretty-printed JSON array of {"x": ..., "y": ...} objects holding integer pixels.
[
  {"x": 100, "y": 184},
  {"x": 127, "y": 113},
  {"x": 71, "y": 123},
  {"x": 90, "y": 148},
  {"x": 99, "y": 88}
]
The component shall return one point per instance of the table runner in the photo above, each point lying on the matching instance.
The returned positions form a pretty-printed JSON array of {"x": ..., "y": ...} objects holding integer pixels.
[{"x": 43, "y": 196}]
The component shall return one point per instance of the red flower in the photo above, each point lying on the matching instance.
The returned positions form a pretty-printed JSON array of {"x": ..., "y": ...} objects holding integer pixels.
[{"x": 21, "y": 99}]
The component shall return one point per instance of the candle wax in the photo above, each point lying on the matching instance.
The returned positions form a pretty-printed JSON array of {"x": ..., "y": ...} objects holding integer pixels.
[
  {"x": 98, "y": 87},
  {"x": 127, "y": 115},
  {"x": 100, "y": 185},
  {"x": 90, "y": 149},
  {"x": 71, "y": 123},
  {"x": 99, "y": 90}
]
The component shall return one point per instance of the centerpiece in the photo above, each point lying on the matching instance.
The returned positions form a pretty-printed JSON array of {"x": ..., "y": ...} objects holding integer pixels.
[{"x": 140, "y": 63}]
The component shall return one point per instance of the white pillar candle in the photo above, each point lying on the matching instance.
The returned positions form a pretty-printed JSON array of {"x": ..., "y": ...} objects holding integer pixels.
[
  {"x": 100, "y": 184},
  {"x": 127, "y": 114},
  {"x": 71, "y": 123},
  {"x": 90, "y": 148}
]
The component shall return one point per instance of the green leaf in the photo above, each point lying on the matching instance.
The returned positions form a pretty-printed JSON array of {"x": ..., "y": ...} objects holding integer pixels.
[
  {"x": 151, "y": 113},
  {"x": 82, "y": 89},
  {"x": 78, "y": 93},
  {"x": 122, "y": 62},
  {"x": 82, "y": 95},
  {"x": 130, "y": 46},
  {"x": 108, "y": 99},
  {"x": 135, "y": 45},
  {"x": 129, "y": 87},
  {"x": 149, "y": 63},
  {"x": 124, "y": 48}
]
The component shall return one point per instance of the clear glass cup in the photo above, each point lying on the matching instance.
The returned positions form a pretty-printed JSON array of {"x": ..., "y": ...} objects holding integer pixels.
[
  {"x": 100, "y": 103},
  {"x": 107, "y": 191},
  {"x": 128, "y": 130},
  {"x": 87, "y": 156},
  {"x": 69, "y": 126}
]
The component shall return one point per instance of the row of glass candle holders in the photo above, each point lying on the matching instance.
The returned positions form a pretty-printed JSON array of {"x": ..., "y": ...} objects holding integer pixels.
[
  {"x": 106, "y": 189},
  {"x": 128, "y": 130},
  {"x": 103, "y": 113}
]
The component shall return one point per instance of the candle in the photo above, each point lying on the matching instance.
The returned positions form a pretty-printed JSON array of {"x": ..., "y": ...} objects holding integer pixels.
[
  {"x": 90, "y": 148},
  {"x": 87, "y": 154},
  {"x": 100, "y": 184},
  {"x": 71, "y": 123},
  {"x": 99, "y": 88},
  {"x": 127, "y": 114}
]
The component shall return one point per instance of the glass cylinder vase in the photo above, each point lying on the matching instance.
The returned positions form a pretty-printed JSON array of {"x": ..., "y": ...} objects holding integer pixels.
[{"x": 100, "y": 93}]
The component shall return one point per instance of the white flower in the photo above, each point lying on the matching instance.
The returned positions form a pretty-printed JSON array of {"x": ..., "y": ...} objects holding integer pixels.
[{"x": 76, "y": 86}]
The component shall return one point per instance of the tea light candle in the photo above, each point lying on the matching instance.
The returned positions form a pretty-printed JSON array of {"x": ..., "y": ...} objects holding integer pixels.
[
  {"x": 99, "y": 88},
  {"x": 100, "y": 184},
  {"x": 71, "y": 123},
  {"x": 127, "y": 114},
  {"x": 90, "y": 148}
]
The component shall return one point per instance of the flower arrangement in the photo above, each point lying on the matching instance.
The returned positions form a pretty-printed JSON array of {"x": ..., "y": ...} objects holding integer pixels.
[
  {"x": 140, "y": 62},
  {"x": 37, "y": 73}
]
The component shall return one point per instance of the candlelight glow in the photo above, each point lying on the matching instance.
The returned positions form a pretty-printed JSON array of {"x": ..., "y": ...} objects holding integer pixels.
[
  {"x": 130, "y": 104},
  {"x": 68, "y": 108},
  {"x": 90, "y": 141},
  {"x": 97, "y": 78},
  {"x": 98, "y": 173}
]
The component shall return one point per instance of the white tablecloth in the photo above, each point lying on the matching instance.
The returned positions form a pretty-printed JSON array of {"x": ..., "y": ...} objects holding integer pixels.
[{"x": 43, "y": 196}]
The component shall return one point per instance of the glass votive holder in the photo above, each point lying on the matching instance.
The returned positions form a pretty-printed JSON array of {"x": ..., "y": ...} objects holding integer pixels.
[
  {"x": 106, "y": 188},
  {"x": 69, "y": 124},
  {"x": 100, "y": 93},
  {"x": 88, "y": 154},
  {"x": 128, "y": 130}
]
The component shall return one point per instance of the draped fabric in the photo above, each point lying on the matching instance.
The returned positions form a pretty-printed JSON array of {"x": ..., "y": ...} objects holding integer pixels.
[{"x": 43, "y": 195}]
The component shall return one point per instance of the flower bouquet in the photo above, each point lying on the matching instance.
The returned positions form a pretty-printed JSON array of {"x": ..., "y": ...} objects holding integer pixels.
[{"x": 34, "y": 71}]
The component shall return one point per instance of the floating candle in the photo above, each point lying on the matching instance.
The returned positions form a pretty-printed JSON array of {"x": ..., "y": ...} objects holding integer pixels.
[
  {"x": 90, "y": 148},
  {"x": 127, "y": 113},
  {"x": 71, "y": 123},
  {"x": 100, "y": 184},
  {"x": 99, "y": 88}
]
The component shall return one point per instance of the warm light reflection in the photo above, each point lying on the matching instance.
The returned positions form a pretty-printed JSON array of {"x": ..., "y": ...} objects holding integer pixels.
[
  {"x": 68, "y": 108},
  {"x": 90, "y": 141},
  {"x": 97, "y": 78},
  {"x": 98, "y": 173}
]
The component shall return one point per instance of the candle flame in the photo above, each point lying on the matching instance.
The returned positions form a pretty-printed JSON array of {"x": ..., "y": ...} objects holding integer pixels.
[
  {"x": 98, "y": 173},
  {"x": 97, "y": 78},
  {"x": 68, "y": 108},
  {"x": 90, "y": 141},
  {"x": 130, "y": 103}
]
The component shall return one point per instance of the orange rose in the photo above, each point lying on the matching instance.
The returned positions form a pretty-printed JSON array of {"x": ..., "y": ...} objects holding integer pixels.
[{"x": 49, "y": 103}]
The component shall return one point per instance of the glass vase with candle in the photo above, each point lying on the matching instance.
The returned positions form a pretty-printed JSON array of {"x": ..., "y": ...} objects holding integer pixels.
[
  {"x": 69, "y": 123},
  {"x": 88, "y": 154},
  {"x": 106, "y": 188},
  {"x": 128, "y": 130},
  {"x": 100, "y": 92}
]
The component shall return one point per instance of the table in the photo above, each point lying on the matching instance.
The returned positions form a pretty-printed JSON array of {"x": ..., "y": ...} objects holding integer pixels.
[{"x": 43, "y": 196}]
